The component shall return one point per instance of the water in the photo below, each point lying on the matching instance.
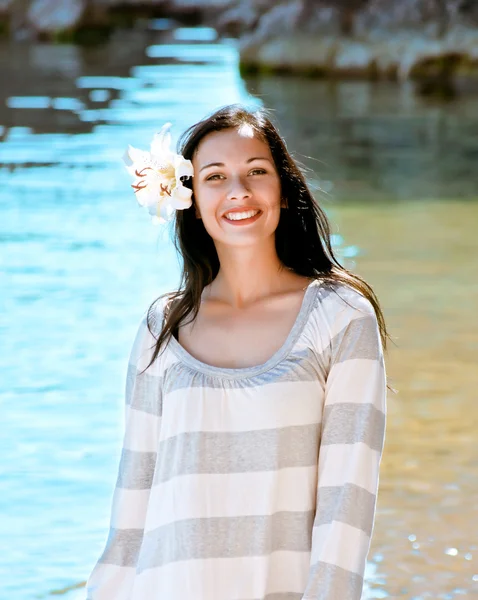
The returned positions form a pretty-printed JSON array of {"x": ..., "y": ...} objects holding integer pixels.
[{"x": 80, "y": 262}]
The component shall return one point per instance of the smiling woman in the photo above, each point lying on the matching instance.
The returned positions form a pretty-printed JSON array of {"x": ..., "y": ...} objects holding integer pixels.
[
  {"x": 240, "y": 190},
  {"x": 255, "y": 397}
]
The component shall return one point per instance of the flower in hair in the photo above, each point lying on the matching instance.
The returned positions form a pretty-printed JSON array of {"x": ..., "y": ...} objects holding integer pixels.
[{"x": 158, "y": 177}]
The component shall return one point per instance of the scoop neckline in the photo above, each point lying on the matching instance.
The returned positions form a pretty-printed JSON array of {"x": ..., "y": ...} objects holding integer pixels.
[{"x": 242, "y": 372}]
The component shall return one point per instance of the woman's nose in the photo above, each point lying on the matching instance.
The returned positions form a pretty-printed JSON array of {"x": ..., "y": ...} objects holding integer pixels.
[{"x": 239, "y": 189}]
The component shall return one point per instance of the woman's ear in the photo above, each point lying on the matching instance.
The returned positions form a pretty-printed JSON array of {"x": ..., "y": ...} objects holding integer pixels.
[{"x": 283, "y": 202}]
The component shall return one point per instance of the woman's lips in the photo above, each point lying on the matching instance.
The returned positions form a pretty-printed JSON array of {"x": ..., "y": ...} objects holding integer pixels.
[{"x": 242, "y": 221}]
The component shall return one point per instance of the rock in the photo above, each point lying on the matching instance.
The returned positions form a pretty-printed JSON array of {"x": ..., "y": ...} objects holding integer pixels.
[
  {"x": 399, "y": 55},
  {"x": 392, "y": 39},
  {"x": 13, "y": 17},
  {"x": 353, "y": 58},
  {"x": 52, "y": 16},
  {"x": 4, "y": 5},
  {"x": 287, "y": 18},
  {"x": 201, "y": 4},
  {"x": 430, "y": 40},
  {"x": 432, "y": 17},
  {"x": 294, "y": 53},
  {"x": 242, "y": 16}
]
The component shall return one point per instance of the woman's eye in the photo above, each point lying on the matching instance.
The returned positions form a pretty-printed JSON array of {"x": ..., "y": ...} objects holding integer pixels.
[{"x": 219, "y": 176}]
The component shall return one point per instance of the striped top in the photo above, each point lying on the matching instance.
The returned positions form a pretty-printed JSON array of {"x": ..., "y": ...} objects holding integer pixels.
[{"x": 253, "y": 483}]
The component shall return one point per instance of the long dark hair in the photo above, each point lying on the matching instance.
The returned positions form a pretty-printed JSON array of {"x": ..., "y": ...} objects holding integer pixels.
[{"x": 302, "y": 236}]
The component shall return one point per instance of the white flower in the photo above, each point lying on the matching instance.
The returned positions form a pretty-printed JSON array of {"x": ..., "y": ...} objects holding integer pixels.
[{"x": 157, "y": 183}]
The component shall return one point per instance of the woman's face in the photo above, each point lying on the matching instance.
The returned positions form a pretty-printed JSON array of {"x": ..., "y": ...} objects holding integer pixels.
[{"x": 235, "y": 177}]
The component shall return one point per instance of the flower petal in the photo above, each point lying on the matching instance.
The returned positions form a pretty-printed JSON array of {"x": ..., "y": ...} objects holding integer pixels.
[
  {"x": 181, "y": 197},
  {"x": 133, "y": 155},
  {"x": 147, "y": 196},
  {"x": 161, "y": 143},
  {"x": 157, "y": 177},
  {"x": 182, "y": 167}
]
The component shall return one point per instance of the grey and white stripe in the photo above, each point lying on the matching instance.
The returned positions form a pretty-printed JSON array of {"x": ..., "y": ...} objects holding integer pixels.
[{"x": 257, "y": 483}]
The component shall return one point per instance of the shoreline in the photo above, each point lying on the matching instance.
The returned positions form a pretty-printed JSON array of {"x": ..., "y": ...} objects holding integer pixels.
[{"x": 274, "y": 41}]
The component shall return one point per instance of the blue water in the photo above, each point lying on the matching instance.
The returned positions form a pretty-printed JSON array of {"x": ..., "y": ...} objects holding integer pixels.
[{"x": 80, "y": 263}]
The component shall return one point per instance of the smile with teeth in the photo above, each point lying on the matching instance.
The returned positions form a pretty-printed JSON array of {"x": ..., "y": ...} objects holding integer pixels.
[{"x": 238, "y": 216}]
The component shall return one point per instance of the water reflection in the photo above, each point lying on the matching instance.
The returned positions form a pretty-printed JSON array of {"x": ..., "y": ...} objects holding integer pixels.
[
  {"x": 79, "y": 264},
  {"x": 422, "y": 259},
  {"x": 378, "y": 140}
]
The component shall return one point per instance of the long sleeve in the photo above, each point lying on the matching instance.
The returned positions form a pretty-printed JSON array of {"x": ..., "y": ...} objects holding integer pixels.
[
  {"x": 352, "y": 440},
  {"x": 112, "y": 578}
]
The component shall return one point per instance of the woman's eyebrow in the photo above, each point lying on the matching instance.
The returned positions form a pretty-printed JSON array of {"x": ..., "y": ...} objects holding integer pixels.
[
  {"x": 215, "y": 164},
  {"x": 219, "y": 164},
  {"x": 258, "y": 158}
]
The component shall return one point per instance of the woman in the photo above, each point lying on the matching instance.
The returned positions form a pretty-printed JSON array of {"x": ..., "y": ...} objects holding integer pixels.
[{"x": 256, "y": 396}]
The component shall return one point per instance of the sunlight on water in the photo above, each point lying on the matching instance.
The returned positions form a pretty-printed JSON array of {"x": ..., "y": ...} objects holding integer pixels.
[
  {"x": 195, "y": 34},
  {"x": 191, "y": 53},
  {"x": 421, "y": 258},
  {"x": 80, "y": 263}
]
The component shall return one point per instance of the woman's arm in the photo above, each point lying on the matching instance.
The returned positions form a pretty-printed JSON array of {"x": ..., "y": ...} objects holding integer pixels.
[
  {"x": 353, "y": 434},
  {"x": 113, "y": 575}
]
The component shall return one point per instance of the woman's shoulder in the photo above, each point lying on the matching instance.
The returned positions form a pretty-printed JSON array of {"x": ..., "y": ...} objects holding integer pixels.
[
  {"x": 341, "y": 311},
  {"x": 338, "y": 303},
  {"x": 151, "y": 321},
  {"x": 153, "y": 317},
  {"x": 149, "y": 330},
  {"x": 339, "y": 306}
]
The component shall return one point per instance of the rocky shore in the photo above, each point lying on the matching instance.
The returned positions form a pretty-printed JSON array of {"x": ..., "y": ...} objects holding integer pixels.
[{"x": 427, "y": 40}]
